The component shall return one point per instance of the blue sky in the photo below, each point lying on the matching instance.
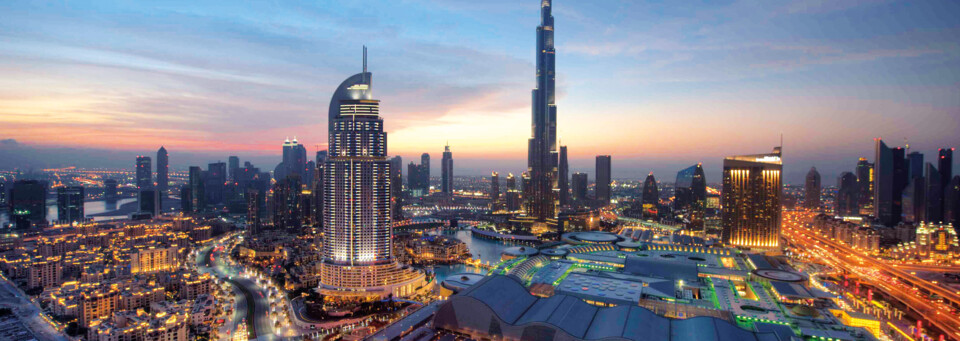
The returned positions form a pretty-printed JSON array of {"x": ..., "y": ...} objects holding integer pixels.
[{"x": 657, "y": 84}]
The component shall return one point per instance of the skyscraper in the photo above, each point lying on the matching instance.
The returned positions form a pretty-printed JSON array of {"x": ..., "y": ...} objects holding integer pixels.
[
  {"x": 233, "y": 167},
  {"x": 513, "y": 195},
  {"x": 812, "y": 190},
  {"x": 951, "y": 202},
  {"x": 149, "y": 201},
  {"x": 650, "y": 197},
  {"x": 70, "y": 204},
  {"x": 542, "y": 146},
  {"x": 890, "y": 179},
  {"x": 396, "y": 187},
  {"x": 914, "y": 165},
  {"x": 494, "y": 191},
  {"x": 945, "y": 166},
  {"x": 578, "y": 184},
  {"x": 865, "y": 186},
  {"x": 933, "y": 192},
  {"x": 197, "y": 190},
  {"x": 603, "y": 179},
  {"x": 424, "y": 172},
  {"x": 914, "y": 205},
  {"x": 110, "y": 189},
  {"x": 563, "y": 178},
  {"x": 357, "y": 248},
  {"x": 847, "y": 203},
  {"x": 446, "y": 171},
  {"x": 144, "y": 172},
  {"x": 214, "y": 180},
  {"x": 163, "y": 167},
  {"x": 28, "y": 203},
  {"x": 690, "y": 195},
  {"x": 750, "y": 198}
]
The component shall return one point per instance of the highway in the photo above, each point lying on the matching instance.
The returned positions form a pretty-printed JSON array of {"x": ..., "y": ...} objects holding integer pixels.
[
  {"x": 252, "y": 302},
  {"x": 894, "y": 281}
]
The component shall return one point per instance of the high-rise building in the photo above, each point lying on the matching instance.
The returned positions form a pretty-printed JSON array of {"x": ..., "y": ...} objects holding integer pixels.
[
  {"x": 287, "y": 210},
  {"x": 890, "y": 179},
  {"x": 149, "y": 201},
  {"x": 110, "y": 189},
  {"x": 914, "y": 205},
  {"x": 933, "y": 195},
  {"x": 650, "y": 198},
  {"x": 847, "y": 195},
  {"x": 255, "y": 203},
  {"x": 542, "y": 146},
  {"x": 812, "y": 190},
  {"x": 951, "y": 202},
  {"x": 396, "y": 187},
  {"x": 28, "y": 203},
  {"x": 358, "y": 245},
  {"x": 751, "y": 195},
  {"x": 603, "y": 179},
  {"x": 70, "y": 204},
  {"x": 446, "y": 171},
  {"x": 945, "y": 166},
  {"x": 494, "y": 191},
  {"x": 233, "y": 166},
  {"x": 424, "y": 172},
  {"x": 197, "y": 189},
  {"x": 578, "y": 186},
  {"x": 294, "y": 160},
  {"x": 690, "y": 195},
  {"x": 865, "y": 184},
  {"x": 512, "y": 197},
  {"x": 186, "y": 199},
  {"x": 563, "y": 178},
  {"x": 914, "y": 165},
  {"x": 144, "y": 172},
  {"x": 163, "y": 169},
  {"x": 215, "y": 182}
]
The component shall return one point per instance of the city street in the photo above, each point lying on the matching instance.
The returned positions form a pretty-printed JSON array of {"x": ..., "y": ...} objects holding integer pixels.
[
  {"x": 27, "y": 312},
  {"x": 892, "y": 281},
  {"x": 259, "y": 323}
]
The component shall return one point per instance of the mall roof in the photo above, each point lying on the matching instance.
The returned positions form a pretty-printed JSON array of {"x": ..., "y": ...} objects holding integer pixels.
[
  {"x": 506, "y": 300},
  {"x": 645, "y": 266}
]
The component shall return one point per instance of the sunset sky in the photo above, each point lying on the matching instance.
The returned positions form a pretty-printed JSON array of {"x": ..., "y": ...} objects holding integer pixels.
[{"x": 657, "y": 84}]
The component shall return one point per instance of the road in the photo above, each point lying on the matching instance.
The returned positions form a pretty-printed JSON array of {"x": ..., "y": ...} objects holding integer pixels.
[
  {"x": 252, "y": 302},
  {"x": 27, "y": 312},
  {"x": 893, "y": 281}
]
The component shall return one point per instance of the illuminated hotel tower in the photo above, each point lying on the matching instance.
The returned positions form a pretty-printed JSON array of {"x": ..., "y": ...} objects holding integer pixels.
[
  {"x": 751, "y": 200},
  {"x": 357, "y": 248},
  {"x": 542, "y": 147}
]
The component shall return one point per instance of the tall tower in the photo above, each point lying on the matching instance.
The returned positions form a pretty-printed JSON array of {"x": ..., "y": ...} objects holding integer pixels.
[
  {"x": 812, "y": 190},
  {"x": 494, "y": 191},
  {"x": 890, "y": 179},
  {"x": 752, "y": 191},
  {"x": 144, "y": 173},
  {"x": 163, "y": 169},
  {"x": 650, "y": 198},
  {"x": 563, "y": 178},
  {"x": 358, "y": 245},
  {"x": 446, "y": 170},
  {"x": 542, "y": 146},
  {"x": 603, "y": 179}
]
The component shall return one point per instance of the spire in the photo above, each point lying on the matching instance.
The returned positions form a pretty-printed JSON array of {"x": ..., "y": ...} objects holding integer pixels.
[{"x": 364, "y": 64}]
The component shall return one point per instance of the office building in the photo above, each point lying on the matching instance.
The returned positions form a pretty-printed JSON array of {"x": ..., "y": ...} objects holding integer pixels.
[
  {"x": 163, "y": 170},
  {"x": 603, "y": 179},
  {"x": 149, "y": 201},
  {"x": 418, "y": 176},
  {"x": 751, "y": 196},
  {"x": 28, "y": 203},
  {"x": 690, "y": 196},
  {"x": 446, "y": 171},
  {"x": 865, "y": 184},
  {"x": 110, "y": 189},
  {"x": 144, "y": 173},
  {"x": 847, "y": 195},
  {"x": 914, "y": 165},
  {"x": 287, "y": 204},
  {"x": 358, "y": 237},
  {"x": 890, "y": 179},
  {"x": 812, "y": 190},
  {"x": 563, "y": 178},
  {"x": 578, "y": 184},
  {"x": 494, "y": 191},
  {"x": 914, "y": 204},
  {"x": 933, "y": 195},
  {"x": 396, "y": 187},
  {"x": 650, "y": 197},
  {"x": 424, "y": 172},
  {"x": 542, "y": 146},
  {"x": 215, "y": 180},
  {"x": 512, "y": 197},
  {"x": 945, "y": 167},
  {"x": 951, "y": 202},
  {"x": 198, "y": 196},
  {"x": 70, "y": 204},
  {"x": 233, "y": 166}
]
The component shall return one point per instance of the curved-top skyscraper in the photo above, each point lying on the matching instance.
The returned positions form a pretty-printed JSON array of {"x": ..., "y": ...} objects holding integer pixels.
[
  {"x": 542, "y": 146},
  {"x": 357, "y": 247}
]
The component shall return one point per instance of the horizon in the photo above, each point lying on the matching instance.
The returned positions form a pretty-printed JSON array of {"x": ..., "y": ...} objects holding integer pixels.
[{"x": 127, "y": 78}]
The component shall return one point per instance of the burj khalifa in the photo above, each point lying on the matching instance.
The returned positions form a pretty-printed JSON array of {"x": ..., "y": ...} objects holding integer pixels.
[{"x": 541, "y": 196}]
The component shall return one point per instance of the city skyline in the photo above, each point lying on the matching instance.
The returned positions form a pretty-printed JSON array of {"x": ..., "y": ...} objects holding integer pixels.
[{"x": 189, "y": 104}]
